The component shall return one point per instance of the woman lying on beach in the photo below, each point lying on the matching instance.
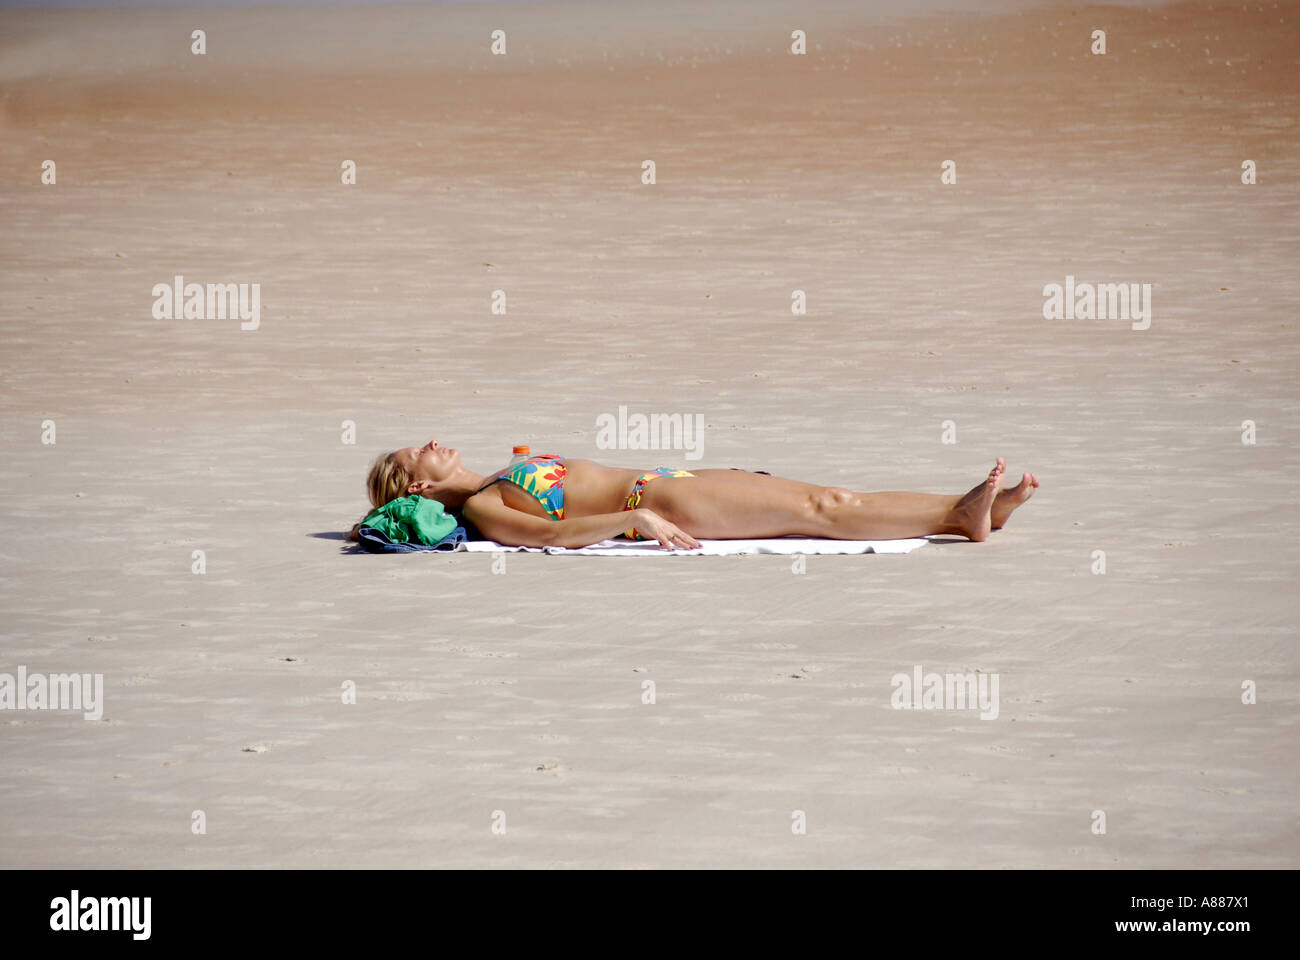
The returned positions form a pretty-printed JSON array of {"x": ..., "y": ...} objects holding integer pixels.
[{"x": 553, "y": 501}]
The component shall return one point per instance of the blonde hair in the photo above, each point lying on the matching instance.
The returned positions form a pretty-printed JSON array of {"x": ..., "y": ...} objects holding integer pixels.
[{"x": 387, "y": 480}]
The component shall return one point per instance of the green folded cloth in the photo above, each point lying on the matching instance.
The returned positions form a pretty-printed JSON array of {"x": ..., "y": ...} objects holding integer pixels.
[{"x": 413, "y": 519}]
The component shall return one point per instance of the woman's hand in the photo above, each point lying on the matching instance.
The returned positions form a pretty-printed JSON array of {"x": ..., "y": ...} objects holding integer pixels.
[{"x": 654, "y": 527}]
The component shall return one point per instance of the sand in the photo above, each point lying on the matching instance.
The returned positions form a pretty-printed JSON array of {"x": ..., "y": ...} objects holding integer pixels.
[{"x": 521, "y": 690}]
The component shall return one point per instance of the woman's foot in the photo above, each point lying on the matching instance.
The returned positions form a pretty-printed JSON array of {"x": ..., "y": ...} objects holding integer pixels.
[
  {"x": 1007, "y": 500},
  {"x": 971, "y": 516}
]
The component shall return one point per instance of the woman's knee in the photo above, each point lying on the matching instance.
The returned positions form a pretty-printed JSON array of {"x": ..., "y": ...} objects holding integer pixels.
[{"x": 825, "y": 506}]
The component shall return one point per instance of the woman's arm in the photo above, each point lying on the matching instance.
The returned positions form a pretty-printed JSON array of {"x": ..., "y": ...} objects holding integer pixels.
[{"x": 504, "y": 524}]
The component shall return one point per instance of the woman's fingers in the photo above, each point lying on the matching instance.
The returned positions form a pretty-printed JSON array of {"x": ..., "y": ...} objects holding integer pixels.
[{"x": 674, "y": 537}]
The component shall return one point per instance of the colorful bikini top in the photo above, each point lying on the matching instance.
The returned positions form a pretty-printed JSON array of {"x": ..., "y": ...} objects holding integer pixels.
[{"x": 543, "y": 477}]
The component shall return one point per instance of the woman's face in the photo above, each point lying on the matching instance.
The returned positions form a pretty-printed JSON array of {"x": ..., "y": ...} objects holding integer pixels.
[{"x": 430, "y": 462}]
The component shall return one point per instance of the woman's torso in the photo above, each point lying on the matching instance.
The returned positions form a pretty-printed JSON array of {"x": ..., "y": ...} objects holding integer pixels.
[{"x": 588, "y": 487}]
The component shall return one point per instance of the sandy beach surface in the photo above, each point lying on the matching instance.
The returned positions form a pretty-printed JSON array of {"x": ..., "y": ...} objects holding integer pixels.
[{"x": 521, "y": 690}]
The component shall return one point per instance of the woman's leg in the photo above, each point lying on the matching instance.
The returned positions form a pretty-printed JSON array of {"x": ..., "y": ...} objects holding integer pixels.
[
  {"x": 1004, "y": 504},
  {"x": 713, "y": 505}
]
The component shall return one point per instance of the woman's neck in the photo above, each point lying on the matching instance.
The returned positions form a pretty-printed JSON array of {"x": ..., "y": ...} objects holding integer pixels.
[{"x": 460, "y": 488}]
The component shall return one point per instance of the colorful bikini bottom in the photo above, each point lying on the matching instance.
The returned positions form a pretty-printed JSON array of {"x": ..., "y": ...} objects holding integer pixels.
[{"x": 635, "y": 499}]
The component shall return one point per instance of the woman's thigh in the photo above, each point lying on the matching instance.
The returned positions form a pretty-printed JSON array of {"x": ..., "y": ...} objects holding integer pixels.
[
  {"x": 725, "y": 504},
  {"x": 762, "y": 480}
]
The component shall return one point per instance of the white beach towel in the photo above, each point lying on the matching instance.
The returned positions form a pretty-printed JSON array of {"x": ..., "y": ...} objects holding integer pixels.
[{"x": 715, "y": 548}]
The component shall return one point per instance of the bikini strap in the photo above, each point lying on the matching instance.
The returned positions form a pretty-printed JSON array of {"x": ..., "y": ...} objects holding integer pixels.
[
  {"x": 510, "y": 470},
  {"x": 488, "y": 484}
]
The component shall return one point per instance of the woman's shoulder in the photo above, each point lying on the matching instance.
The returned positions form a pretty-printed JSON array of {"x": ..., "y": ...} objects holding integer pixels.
[{"x": 483, "y": 500}]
